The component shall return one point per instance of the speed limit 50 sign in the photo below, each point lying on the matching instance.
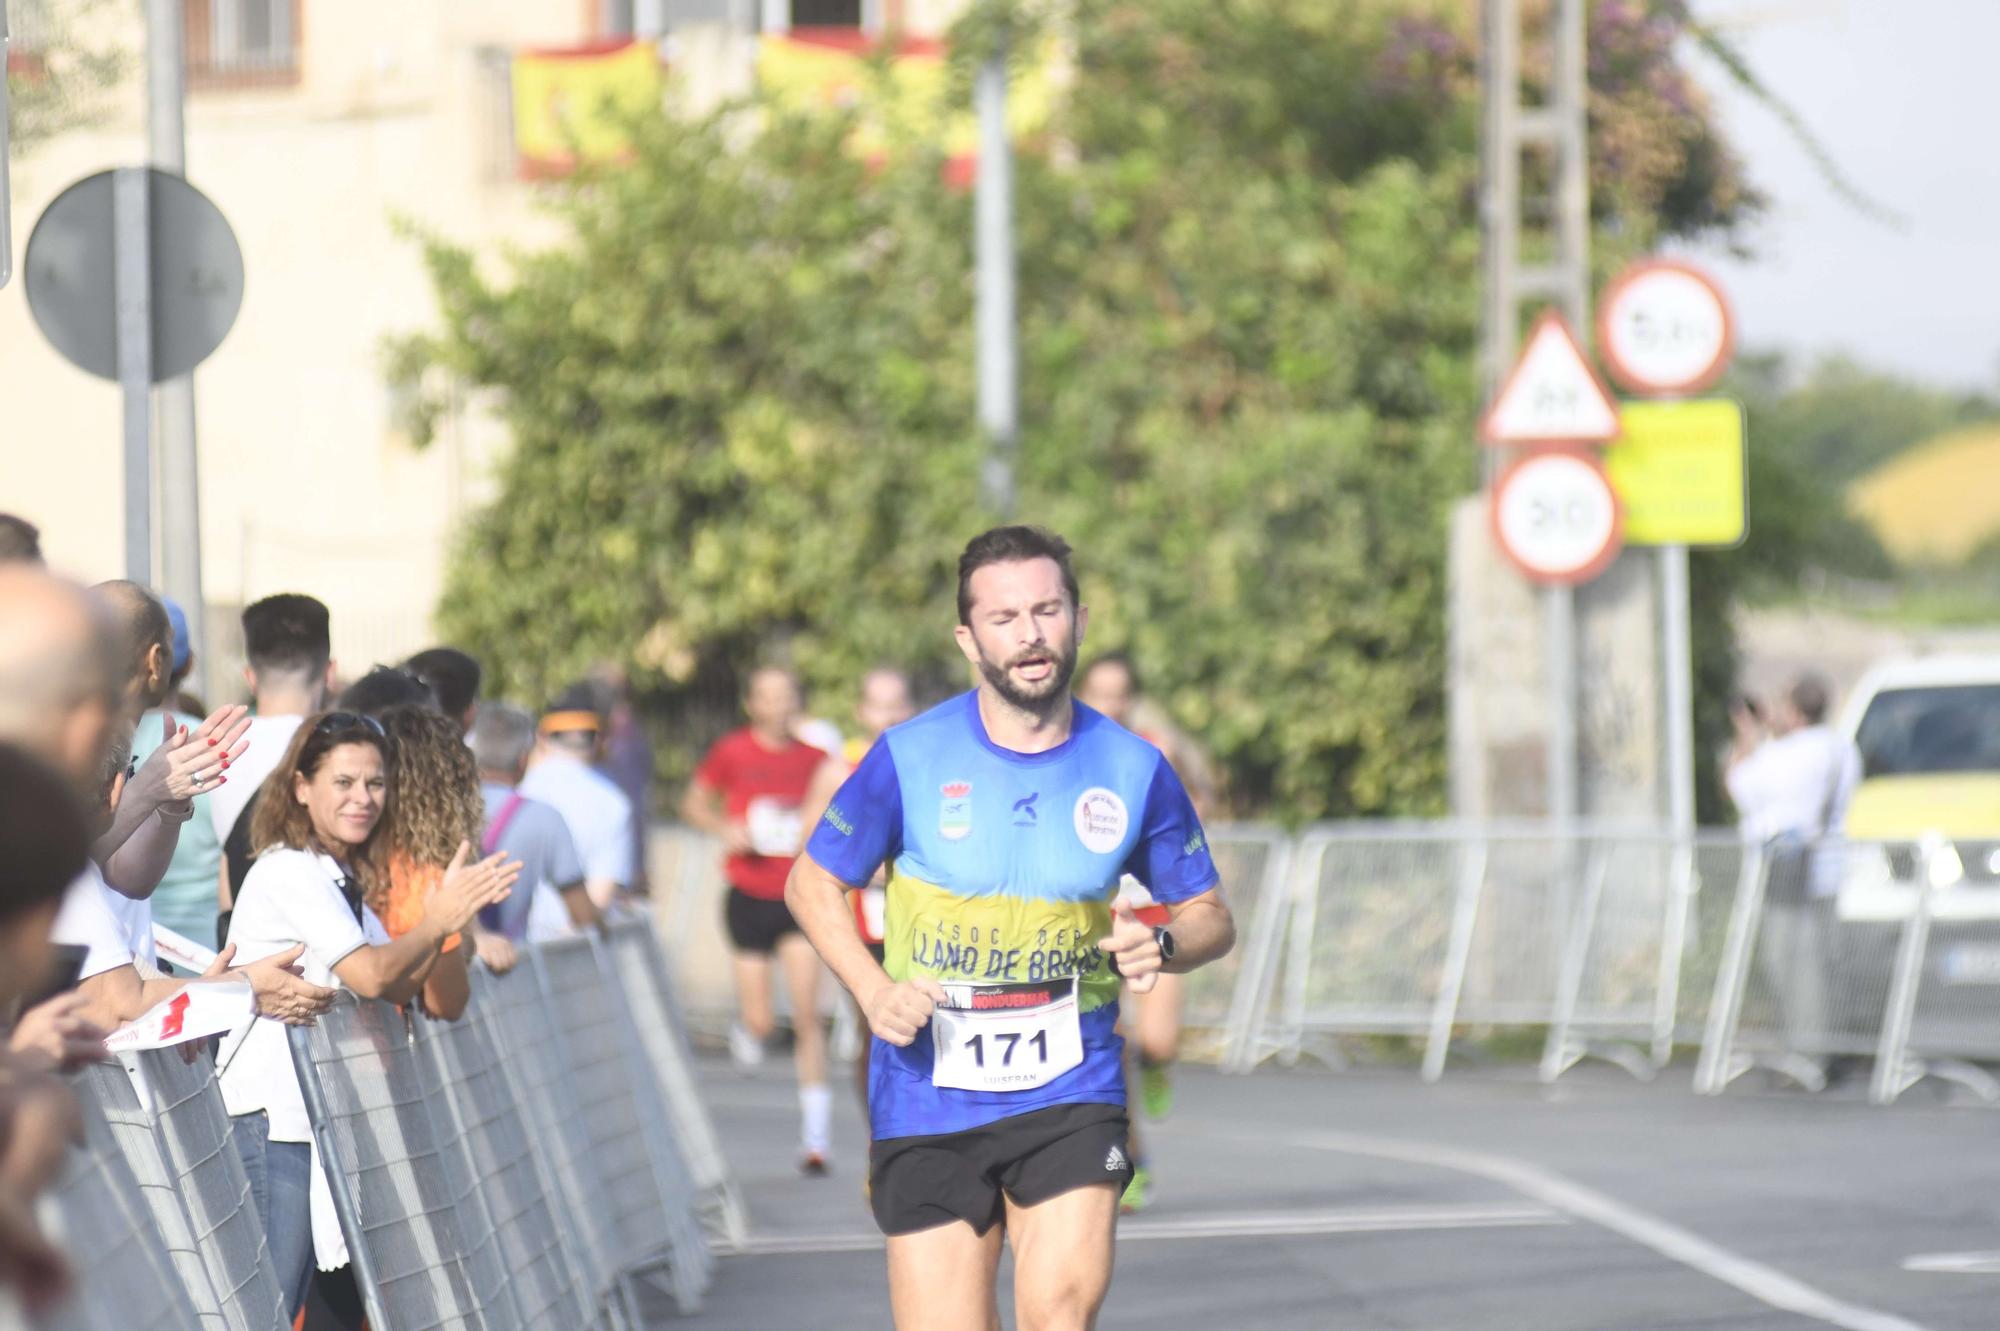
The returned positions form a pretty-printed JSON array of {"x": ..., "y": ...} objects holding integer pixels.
[{"x": 1557, "y": 518}]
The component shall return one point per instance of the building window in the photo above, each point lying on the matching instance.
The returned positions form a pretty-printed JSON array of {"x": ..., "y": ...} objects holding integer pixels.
[
  {"x": 647, "y": 19},
  {"x": 242, "y": 43},
  {"x": 826, "y": 13}
]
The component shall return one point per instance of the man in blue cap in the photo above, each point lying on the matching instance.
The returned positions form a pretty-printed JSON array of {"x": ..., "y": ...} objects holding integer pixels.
[{"x": 187, "y": 899}]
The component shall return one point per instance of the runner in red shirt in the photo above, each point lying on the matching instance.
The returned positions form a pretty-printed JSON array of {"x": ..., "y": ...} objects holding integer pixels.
[{"x": 748, "y": 792}]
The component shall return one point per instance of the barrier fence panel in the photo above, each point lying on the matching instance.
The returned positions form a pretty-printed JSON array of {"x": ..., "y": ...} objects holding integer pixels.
[
  {"x": 416, "y": 1251},
  {"x": 1619, "y": 982},
  {"x": 1418, "y": 929},
  {"x": 648, "y": 1199},
  {"x": 1212, "y": 998},
  {"x": 1720, "y": 859},
  {"x": 1806, "y": 979},
  {"x": 643, "y": 974},
  {"x": 1372, "y": 933},
  {"x": 95, "y": 1208},
  {"x": 110, "y": 1088},
  {"x": 193, "y": 1131},
  {"x": 492, "y": 1156},
  {"x": 518, "y": 1023},
  {"x": 1945, "y": 993}
]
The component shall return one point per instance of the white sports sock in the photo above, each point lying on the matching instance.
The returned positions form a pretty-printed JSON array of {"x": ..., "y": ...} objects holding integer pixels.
[{"x": 816, "y": 1113}]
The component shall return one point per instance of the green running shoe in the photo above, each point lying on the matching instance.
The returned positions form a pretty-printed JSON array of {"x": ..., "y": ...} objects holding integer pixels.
[
  {"x": 1138, "y": 1192},
  {"x": 1156, "y": 1090}
]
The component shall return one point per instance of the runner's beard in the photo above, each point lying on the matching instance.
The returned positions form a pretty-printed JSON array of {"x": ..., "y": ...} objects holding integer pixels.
[{"x": 1040, "y": 696}]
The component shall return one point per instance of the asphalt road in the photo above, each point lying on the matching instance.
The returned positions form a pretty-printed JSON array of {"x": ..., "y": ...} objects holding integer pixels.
[{"x": 1315, "y": 1200}]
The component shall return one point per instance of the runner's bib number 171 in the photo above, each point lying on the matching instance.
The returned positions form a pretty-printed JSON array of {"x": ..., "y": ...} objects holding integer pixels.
[{"x": 1005, "y": 1037}]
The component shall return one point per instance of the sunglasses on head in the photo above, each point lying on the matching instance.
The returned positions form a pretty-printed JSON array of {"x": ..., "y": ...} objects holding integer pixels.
[{"x": 335, "y": 721}]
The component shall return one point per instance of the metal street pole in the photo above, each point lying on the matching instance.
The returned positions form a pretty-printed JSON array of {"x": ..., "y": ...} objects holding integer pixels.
[
  {"x": 179, "y": 468},
  {"x": 6, "y": 200},
  {"x": 132, "y": 287},
  {"x": 1572, "y": 280},
  {"x": 1677, "y": 645},
  {"x": 1511, "y": 285},
  {"x": 999, "y": 378}
]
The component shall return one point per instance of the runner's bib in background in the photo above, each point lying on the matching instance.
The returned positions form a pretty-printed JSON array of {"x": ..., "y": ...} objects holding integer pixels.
[
  {"x": 1006, "y": 1037},
  {"x": 774, "y": 826}
]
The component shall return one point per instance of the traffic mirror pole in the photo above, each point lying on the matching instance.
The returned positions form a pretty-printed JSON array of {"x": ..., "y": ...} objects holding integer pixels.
[
  {"x": 179, "y": 469},
  {"x": 6, "y": 199},
  {"x": 132, "y": 278}
]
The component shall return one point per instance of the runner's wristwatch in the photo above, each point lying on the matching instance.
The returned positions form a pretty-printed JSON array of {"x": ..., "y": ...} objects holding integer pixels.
[{"x": 1165, "y": 938}]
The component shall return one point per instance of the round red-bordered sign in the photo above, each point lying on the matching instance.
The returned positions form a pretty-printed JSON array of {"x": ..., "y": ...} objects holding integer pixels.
[
  {"x": 1556, "y": 517},
  {"x": 1664, "y": 328}
]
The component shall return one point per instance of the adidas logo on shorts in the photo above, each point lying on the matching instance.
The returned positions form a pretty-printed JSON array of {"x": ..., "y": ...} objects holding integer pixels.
[{"x": 1115, "y": 1161}]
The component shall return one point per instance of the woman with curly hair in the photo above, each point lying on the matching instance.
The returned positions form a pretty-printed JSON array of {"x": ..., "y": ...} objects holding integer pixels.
[
  {"x": 318, "y": 837},
  {"x": 438, "y": 808}
]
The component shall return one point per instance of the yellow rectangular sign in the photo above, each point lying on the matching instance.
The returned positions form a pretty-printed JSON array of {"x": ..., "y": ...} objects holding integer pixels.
[{"x": 1677, "y": 468}]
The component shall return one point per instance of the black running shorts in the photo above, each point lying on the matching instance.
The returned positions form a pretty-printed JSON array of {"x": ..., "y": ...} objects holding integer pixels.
[
  {"x": 756, "y": 923},
  {"x": 920, "y": 1183}
]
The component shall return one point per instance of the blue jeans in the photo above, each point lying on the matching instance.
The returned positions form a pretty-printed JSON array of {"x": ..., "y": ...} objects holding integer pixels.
[{"x": 281, "y": 1186}]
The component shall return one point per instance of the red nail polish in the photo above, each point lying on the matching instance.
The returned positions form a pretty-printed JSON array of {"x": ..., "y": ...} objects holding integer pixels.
[{"x": 211, "y": 742}]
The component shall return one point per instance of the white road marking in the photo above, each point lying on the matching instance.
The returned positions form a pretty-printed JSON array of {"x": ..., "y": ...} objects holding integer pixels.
[
  {"x": 1765, "y": 1284},
  {"x": 1229, "y": 1225},
  {"x": 1954, "y": 1263}
]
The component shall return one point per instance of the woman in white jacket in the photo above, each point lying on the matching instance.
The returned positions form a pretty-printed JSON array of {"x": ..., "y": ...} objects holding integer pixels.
[{"x": 314, "y": 831}]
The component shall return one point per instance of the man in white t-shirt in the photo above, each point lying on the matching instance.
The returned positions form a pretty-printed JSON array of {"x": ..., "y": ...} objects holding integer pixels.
[
  {"x": 556, "y": 904},
  {"x": 1791, "y": 790},
  {"x": 598, "y": 814},
  {"x": 289, "y": 668}
]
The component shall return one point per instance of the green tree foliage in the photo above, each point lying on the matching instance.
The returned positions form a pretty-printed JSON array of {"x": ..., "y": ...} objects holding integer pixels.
[
  {"x": 741, "y": 392},
  {"x": 1840, "y": 419}
]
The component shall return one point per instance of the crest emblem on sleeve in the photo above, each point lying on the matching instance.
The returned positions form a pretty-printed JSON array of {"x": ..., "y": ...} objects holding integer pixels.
[{"x": 955, "y": 810}]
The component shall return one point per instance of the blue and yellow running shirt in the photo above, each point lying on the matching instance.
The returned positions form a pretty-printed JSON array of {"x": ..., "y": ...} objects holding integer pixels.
[{"x": 1002, "y": 870}]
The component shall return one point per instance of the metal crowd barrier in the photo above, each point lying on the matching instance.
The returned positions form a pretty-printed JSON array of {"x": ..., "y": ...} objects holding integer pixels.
[
  {"x": 193, "y": 1131},
  {"x": 511, "y": 1008},
  {"x": 110, "y": 1088},
  {"x": 648, "y": 1197},
  {"x": 493, "y": 1170},
  {"x": 1625, "y": 943},
  {"x": 421, "y": 1257},
  {"x": 97, "y": 1207},
  {"x": 525, "y": 1166},
  {"x": 642, "y": 969}
]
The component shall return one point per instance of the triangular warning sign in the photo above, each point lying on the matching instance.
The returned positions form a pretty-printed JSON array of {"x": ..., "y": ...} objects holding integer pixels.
[{"x": 1552, "y": 396}]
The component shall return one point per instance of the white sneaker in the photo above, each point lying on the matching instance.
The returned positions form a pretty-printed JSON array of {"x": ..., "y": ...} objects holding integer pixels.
[{"x": 746, "y": 1051}]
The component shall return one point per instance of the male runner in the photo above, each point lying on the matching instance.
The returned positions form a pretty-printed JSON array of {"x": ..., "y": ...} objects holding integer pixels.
[
  {"x": 884, "y": 702},
  {"x": 1007, "y": 815}
]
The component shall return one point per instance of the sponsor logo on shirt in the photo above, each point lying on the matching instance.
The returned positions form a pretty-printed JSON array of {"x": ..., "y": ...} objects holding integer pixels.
[
  {"x": 1024, "y": 810},
  {"x": 1194, "y": 843},
  {"x": 1101, "y": 820},
  {"x": 955, "y": 813},
  {"x": 839, "y": 821}
]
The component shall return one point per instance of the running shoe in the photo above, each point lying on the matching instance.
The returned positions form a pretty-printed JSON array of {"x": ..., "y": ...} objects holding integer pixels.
[
  {"x": 1138, "y": 1192},
  {"x": 813, "y": 1165},
  {"x": 746, "y": 1051},
  {"x": 1156, "y": 1090}
]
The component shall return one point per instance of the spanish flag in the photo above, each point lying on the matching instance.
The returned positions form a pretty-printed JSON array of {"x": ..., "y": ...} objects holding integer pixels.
[
  {"x": 905, "y": 99},
  {"x": 569, "y": 104}
]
